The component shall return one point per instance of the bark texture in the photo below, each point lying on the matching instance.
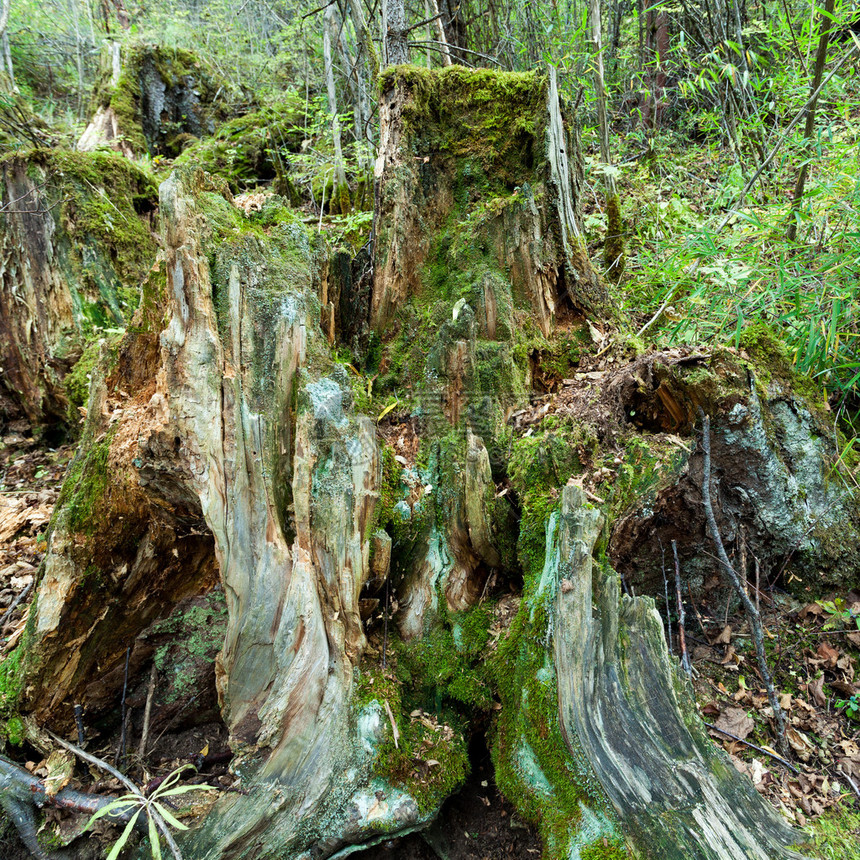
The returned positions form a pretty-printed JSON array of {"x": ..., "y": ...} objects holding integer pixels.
[
  {"x": 624, "y": 705},
  {"x": 224, "y": 454}
]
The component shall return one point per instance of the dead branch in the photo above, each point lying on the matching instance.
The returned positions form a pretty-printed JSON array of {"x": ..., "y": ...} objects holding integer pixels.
[
  {"x": 752, "y": 746},
  {"x": 20, "y": 791},
  {"x": 752, "y": 613},
  {"x": 685, "y": 657}
]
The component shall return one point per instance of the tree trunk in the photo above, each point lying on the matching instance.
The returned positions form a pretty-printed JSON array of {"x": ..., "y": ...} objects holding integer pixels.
[
  {"x": 394, "y": 32},
  {"x": 613, "y": 252},
  {"x": 825, "y": 25},
  {"x": 626, "y": 707},
  {"x": 340, "y": 190},
  {"x": 534, "y": 229}
]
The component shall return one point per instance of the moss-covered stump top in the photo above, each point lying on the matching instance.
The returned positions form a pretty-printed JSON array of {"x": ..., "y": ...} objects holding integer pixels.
[
  {"x": 478, "y": 177},
  {"x": 495, "y": 120}
]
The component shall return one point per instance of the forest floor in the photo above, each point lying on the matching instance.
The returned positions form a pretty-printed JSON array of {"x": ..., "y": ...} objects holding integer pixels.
[
  {"x": 813, "y": 648},
  {"x": 31, "y": 476}
]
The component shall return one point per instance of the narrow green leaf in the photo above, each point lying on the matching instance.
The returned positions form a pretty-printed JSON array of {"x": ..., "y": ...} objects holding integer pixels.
[
  {"x": 168, "y": 816},
  {"x": 115, "y": 808},
  {"x": 154, "y": 840},
  {"x": 120, "y": 843},
  {"x": 183, "y": 789}
]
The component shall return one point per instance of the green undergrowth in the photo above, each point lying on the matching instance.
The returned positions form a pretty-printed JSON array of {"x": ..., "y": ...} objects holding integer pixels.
[{"x": 835, "y": 835}]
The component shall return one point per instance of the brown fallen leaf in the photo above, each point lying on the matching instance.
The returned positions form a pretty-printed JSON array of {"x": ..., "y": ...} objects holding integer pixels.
[
  {"x": 816, "y": 691},
  {"x": 844, "y": 688},
  {"x": 828, "y": 653},
  {"x": 854, "y": 638},
  {"x": 812, "y": 609},
  {"x": 735, "y": 721},
  {"x": 799, "y": 743},
  {"x": 846, "y": 664},
  {"x": 725, "y": 636}
]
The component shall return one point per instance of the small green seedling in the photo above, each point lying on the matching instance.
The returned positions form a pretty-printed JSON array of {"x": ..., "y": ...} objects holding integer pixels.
[
  {"x": 157, "y": 814},
  {"x": 852, "y": 707}
]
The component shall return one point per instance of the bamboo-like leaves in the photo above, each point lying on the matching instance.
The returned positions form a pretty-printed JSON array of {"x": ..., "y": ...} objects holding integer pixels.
[{"x": 158, "y": 815}]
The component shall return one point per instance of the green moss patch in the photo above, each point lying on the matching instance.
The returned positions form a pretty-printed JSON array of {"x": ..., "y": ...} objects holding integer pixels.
[
  {"x": 254, "y": 148},
  {"x": 491, "y": 119},
  {"x": 429, "y": 760}
]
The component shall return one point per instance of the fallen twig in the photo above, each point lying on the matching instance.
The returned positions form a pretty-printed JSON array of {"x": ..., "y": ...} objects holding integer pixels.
[
  {"x": 120, "y": 750},
  {"x": 752, "y": 746},
  {"x": 147, "y": 711},
  {"x": 752, "y": 613},
  {"x": 685, "y": 657},
  {"x": 23, "y": 594},
  {"x": 20, "y": 791},
  {"x": 394, "y": 730},
  {"x": 162, "y": 826}
]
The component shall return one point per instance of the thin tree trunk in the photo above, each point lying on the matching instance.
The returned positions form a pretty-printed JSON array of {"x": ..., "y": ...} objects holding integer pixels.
[
  {"x": 614, "y": 247},
  {"x": 440, "y": 27},
  {"x": 7, "y": 58},
  {"x": 825, "y": 25},
  {"x": 4, "y": 42},
  {"x": 394, "y": 32},
  {"x": 340, "y": 202},
  {"x": 364, "y": 39}
]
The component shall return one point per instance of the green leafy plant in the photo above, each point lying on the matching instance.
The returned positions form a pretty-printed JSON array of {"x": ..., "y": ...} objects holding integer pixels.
[
  {"x": 839, "y": 615},
  {"x": 852, "y": 707},
  {"x": 154, "y": 807}
]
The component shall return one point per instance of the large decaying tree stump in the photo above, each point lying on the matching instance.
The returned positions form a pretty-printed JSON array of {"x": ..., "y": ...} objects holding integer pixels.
[
  {"x": 224, "y": 437},
  {"x": 150, "y": 99},
  {"x": 76, "y": 242}
]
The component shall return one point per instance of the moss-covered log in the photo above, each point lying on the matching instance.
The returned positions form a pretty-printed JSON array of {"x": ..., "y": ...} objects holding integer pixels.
[{"x": 76, "y": 242}]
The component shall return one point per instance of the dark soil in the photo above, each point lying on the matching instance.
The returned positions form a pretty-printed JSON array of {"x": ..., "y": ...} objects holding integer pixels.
[{"x": 477, "y": 823}]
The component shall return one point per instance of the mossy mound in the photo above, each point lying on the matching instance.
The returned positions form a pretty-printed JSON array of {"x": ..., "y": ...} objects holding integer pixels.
[{"x": 254, "y": 148}]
